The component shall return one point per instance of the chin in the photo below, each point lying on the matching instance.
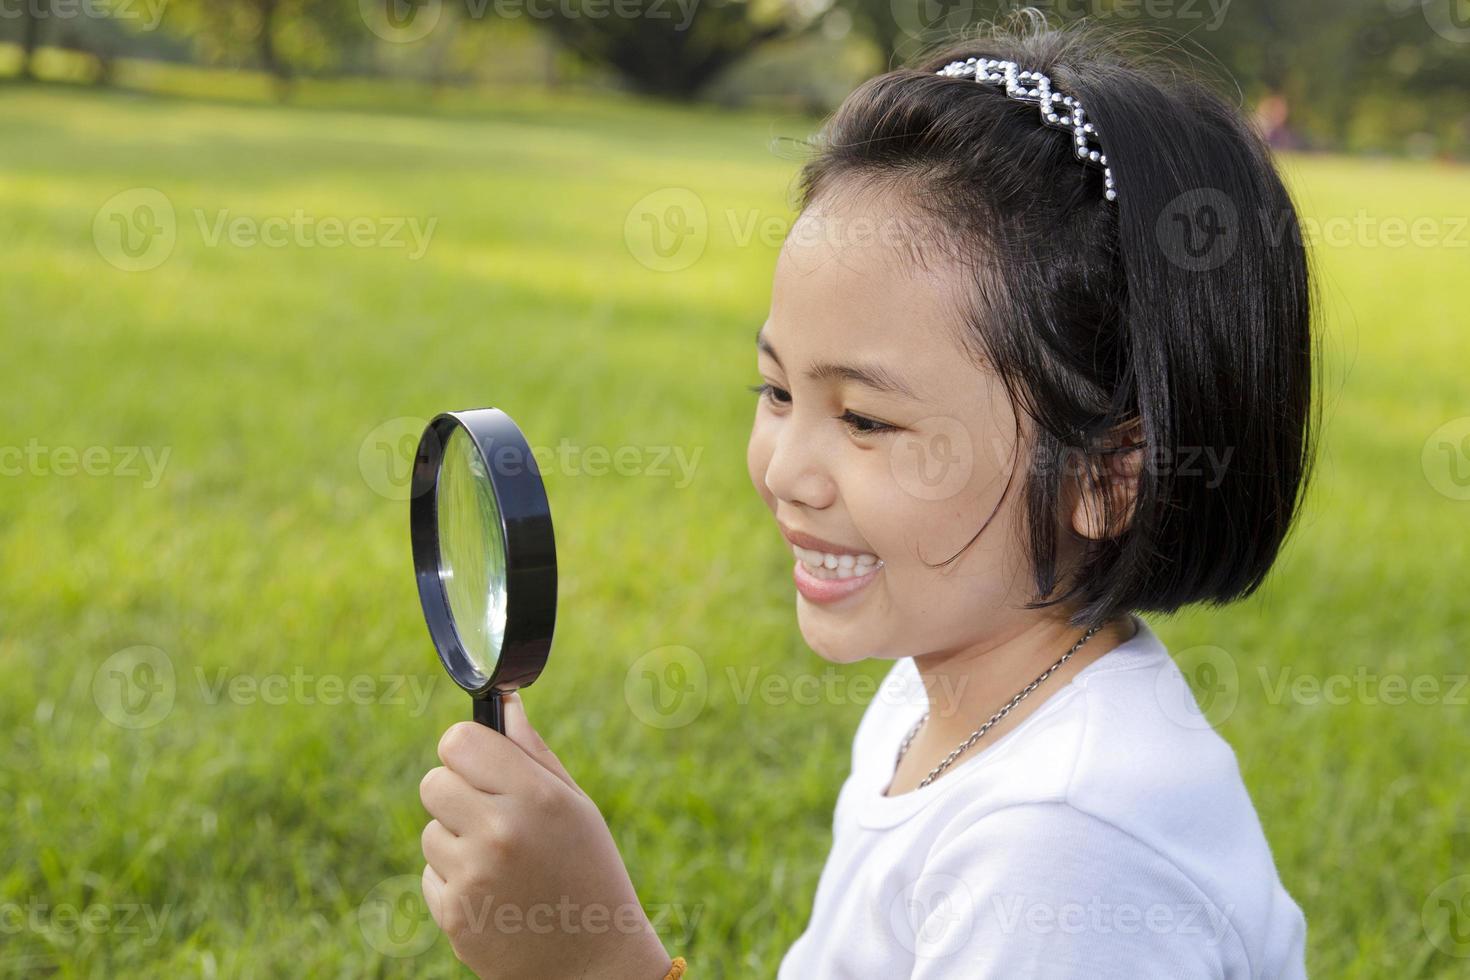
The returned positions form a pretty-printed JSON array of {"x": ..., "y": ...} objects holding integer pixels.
[{"x": 833, "y": 641}]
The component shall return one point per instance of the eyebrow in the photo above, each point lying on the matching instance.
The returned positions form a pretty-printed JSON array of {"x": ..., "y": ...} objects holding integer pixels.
[{"x": 870, "y": 376}]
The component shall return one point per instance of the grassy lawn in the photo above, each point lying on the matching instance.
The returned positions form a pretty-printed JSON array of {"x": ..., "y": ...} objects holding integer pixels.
[{"x": 240, "y": 517}]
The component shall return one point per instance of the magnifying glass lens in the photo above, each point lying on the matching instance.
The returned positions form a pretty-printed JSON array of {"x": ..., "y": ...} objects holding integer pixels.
[{"x": 471, "y": 552}]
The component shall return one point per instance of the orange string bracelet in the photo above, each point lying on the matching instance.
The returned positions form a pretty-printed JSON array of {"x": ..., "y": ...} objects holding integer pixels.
[{"x": 676, "y": 970}]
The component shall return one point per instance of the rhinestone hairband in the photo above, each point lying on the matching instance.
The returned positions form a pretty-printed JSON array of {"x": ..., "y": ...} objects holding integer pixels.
[{"x": 1033, "y": 86}]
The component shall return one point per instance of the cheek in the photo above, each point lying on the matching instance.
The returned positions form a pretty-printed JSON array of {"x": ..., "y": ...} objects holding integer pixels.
[
  {"x": 933, "y": 493},
  {"x": 912, "y": 494},
  {"x": 758, "y": 458}
]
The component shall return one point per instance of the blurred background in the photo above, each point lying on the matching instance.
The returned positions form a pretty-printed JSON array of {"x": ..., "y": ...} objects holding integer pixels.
[
  {"x": 249, "y": 246},
  {"x": 1386, "y": 76}
]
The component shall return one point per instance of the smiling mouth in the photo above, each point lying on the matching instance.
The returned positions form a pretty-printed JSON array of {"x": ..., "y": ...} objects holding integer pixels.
[
  {"x": 827, "y": 565},
  {"x": 823, "y": 586}
]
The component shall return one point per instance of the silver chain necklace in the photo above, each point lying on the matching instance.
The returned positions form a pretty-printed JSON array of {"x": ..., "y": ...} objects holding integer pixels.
[{"x": 979, "y": 733}]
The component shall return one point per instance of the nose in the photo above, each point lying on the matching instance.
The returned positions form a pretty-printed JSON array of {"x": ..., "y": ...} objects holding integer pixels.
[{"x": 798, "y": 471}]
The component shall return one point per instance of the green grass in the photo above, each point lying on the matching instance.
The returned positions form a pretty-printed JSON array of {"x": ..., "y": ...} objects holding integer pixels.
[{"x": 259, "y": 829}]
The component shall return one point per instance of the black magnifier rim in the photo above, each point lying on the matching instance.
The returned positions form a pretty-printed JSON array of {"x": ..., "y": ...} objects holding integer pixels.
[{"x": 530, "y": 549}]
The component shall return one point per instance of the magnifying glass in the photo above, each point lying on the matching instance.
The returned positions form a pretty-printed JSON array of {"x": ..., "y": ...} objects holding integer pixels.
[{"x": 483, "y": 554}]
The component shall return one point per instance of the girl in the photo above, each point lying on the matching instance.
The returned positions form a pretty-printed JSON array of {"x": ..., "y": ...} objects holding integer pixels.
[{"x": 1038, "y": 359}]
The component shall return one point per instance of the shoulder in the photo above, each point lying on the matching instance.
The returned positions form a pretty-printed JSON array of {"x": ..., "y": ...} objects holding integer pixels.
[
  {"x": 1124, "y": 730},
  {"x": 1122, "y": 796}
]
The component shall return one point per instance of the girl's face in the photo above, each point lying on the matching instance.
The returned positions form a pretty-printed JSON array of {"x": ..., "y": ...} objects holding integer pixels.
[{"x": 880, "y": 435}]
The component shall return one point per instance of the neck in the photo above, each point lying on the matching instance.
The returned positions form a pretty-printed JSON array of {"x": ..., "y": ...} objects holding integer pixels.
[{"x": 967, "y": 686}]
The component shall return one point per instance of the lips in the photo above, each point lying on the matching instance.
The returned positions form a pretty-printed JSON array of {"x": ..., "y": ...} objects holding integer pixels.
[
  {"x": 825, "y": 571},
  {"x": 829, "y": 590},
  {"x": 813, "y": 543}
]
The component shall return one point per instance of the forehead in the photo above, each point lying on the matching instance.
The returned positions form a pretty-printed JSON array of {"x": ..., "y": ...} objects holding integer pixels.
[{"x": 855, "y": 280}]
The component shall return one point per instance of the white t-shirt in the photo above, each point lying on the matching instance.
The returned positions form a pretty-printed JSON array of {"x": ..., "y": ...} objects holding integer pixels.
[{"x": 1108, "y": 835}]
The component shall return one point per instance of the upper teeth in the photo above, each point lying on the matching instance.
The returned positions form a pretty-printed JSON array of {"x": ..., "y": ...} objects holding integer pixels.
[{"x": 850, "y": 564}]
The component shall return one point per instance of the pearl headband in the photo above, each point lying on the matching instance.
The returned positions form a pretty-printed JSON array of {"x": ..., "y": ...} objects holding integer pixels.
[{"x": 1033, "y": 86}]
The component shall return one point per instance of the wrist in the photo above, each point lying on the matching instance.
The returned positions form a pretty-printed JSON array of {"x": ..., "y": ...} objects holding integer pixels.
[{"x": 642, "y": 957}]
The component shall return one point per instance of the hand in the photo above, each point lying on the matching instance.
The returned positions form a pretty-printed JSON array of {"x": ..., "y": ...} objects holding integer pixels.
[{"x": 523, "y": 875}]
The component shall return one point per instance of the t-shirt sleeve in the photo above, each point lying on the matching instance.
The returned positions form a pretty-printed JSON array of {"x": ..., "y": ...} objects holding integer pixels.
[{"x": 1046, "y": 890}]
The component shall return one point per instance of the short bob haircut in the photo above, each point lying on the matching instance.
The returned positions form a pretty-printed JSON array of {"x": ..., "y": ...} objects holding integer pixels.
[{"x": 1174, "y": 322}]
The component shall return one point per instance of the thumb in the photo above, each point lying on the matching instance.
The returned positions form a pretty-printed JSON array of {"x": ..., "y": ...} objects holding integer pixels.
[{"x": 518, "y": 729}]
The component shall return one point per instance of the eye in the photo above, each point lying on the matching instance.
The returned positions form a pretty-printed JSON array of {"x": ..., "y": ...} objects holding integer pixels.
[
  {"x": 863, "y": 426},
  {"x": 779, "y": 396}
]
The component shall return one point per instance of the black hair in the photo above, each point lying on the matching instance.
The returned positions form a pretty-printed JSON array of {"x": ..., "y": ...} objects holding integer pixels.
[{"x": 1181, "y": 312}]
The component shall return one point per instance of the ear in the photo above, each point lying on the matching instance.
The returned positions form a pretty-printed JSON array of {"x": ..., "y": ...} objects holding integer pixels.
[{"x": 1115, "y": 470}]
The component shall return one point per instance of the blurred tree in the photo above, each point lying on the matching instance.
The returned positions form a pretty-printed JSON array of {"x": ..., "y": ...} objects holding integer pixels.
[
  {"x": 1322, "y": 61},
  {"x": 665, "y": 48},
  {"x": 900, "y": 29},
  {"x": 284, "y": 38},
  {"x": 100, "y": 31},
  {"x": 30, "y": 40},
  {"x": 1350, "y": 74}
]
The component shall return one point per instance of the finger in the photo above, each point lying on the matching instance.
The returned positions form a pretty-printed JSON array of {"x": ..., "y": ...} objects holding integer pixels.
[
  {"x": 518, "y": 729},
  {"x": 441, "y": 849},
  {"x": 452, "y": 801},
  {"x": 488, "y": 760},
  {"x": 435, "y": 889}
]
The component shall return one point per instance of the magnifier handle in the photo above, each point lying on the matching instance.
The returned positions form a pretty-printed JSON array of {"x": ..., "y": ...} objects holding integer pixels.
[{"x": 488, "y": 712}]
